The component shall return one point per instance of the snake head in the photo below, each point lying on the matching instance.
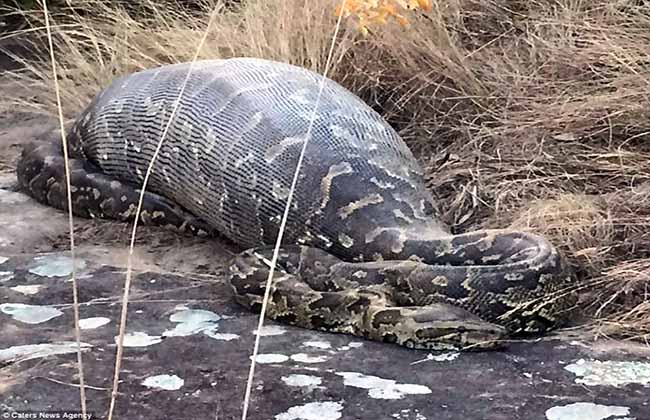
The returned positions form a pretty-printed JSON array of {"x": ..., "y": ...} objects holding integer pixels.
[
  {"x": 467, "y": 335},
  {"x": 437, "y": 326}
]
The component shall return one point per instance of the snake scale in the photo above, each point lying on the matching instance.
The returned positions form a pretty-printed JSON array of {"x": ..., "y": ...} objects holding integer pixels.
[{"x": 364, "y": 251}]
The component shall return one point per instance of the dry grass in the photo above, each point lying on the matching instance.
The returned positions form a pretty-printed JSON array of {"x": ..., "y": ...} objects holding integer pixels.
[{"x": 529, "y": 114}]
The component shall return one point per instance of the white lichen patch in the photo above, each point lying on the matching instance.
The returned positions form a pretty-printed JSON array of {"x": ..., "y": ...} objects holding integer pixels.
[
  {"x": 323, "y": 345},
  {"x": 610, "y": 373},
  {"x": 6, "y": 276},
  {"x": 587, "y": 411},
  {"x": 193, "y": 321},
  {"x": 440, "y": 357},
  {"x": 267, "y": 358},
  {"x": 305, "y": 358},
  {"x": 381, "y": 388},
  {"x": 92, "y": 323},
  {"x": 408, "y": 414},
  {"x": 269, "y": 330},
  {"x": 26, "y": 289},
  {"x": 139, "y": 339},
  {"x": 221, "y": 336},
  {"x": 3, "y": 259},
  {"x": 307, "y": 381},
  {"x": 445, "y": 357},
  {"x": 30, "y": 314},
  {"x": 164, "y": 382},
  {"x": 37, "y": 351},
  {"x": 194, "y": 315},
  {"x": 351, "y": 345},
  {"x": 54, "y": 266},
  {"x": 327, "y": 410}
]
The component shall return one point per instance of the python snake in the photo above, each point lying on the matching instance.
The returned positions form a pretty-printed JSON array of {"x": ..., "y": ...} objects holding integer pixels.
[{"x": 364, "y": 252}]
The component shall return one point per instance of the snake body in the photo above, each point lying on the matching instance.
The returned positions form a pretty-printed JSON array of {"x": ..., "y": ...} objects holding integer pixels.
[{"x": 364, "y": 250}]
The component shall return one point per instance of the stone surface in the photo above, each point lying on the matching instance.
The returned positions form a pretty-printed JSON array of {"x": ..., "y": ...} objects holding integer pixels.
[{"x": 198, "y": 374}]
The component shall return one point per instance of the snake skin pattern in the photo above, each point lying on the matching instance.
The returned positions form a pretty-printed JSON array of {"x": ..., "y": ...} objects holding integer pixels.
[{"x": 364, "y": 253}]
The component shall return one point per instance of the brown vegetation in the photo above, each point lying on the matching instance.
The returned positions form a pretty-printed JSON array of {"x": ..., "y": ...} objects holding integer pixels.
[{"x": 529, "y": 114}]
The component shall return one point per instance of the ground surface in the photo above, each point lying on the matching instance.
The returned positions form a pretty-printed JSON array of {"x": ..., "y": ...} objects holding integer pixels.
[{"x": 189, "y": 344}]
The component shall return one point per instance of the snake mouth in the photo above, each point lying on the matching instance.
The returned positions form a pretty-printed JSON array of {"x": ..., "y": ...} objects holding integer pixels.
[{"x": 459, "y": 336}]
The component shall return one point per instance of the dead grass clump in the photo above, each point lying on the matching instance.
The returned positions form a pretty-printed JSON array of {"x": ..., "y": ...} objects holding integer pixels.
[
  {"x": 630, "y": 209},
  {"x": 100, "y": 41},
  {"x": 530, "y": 114},
  {"x": 621, "y": 302}
]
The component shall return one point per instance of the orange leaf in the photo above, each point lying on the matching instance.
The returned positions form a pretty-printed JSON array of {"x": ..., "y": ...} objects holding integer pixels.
[{"x": 426, "y": 5}]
